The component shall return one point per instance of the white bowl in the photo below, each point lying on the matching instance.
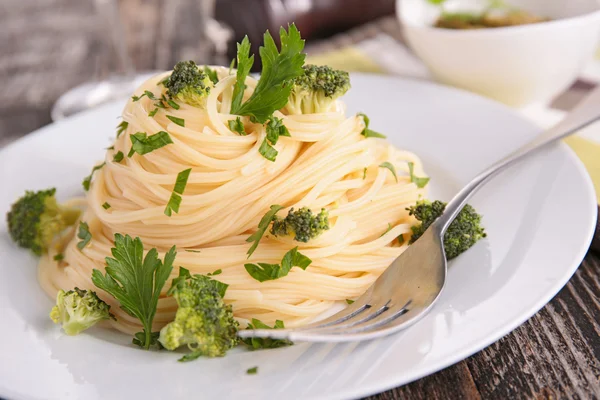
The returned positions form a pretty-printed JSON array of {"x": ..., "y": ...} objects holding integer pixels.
[{"x": 516, "y": 65}]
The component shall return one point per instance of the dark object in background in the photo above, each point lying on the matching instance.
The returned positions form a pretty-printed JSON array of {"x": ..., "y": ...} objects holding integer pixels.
[{"x": 314, "y": 18}]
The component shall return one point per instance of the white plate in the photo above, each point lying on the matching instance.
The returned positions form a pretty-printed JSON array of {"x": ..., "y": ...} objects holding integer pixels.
[{"x": 539, "y": 215}]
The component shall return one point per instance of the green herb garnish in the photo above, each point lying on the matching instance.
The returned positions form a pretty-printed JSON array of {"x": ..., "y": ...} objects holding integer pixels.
[
  {"x": 136, "y": 282},
  {"x": 245, "y": 62},
  {"x": 175, "y": 200},
  {"x": 420, "y": 182},
  {"x": 84, "y": 234},
  {"x": 106, "y": 206},
  {"x": 369, "y": 132},
  {"x": 178, "y": 121},
  {"x": 118, "y": 157},
  {"x": 59, "y": 257},
  {"x": 236, "y": 125},
  {"x": 212, "y": 74},
  {"x": 279, "y": 67},
  {"x": 262, "y": 228},
  {"x": 391, "y": 167},
  {"x": 265, "y": 343},
  {"x": 252, "y": 371},
  {"x": 143, "y": 144},
  {"x": 268, "y": 272},
  {"x": 88, "y": 179},
  {"x": 121, "y": 128},
  {"x": 349, "y": 301}
]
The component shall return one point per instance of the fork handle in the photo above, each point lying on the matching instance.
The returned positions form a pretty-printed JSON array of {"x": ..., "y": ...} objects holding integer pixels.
[{"x": 586, "y": 113}]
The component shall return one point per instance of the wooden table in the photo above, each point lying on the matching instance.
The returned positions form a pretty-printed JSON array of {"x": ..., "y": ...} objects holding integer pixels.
[{"x": 47, "y": 47}]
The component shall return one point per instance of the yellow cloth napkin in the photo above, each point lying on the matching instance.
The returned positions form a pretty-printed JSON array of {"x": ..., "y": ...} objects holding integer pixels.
[{"x": 353, "y": 60}]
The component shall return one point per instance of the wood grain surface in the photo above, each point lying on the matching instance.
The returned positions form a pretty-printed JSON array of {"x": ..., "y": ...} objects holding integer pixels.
[{"x": 49, "y": 46}]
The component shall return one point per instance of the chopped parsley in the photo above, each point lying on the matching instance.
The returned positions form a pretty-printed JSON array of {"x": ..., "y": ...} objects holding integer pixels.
[
  {"x": 267, "y": 151},
  {"x": 268, "y": 272},
  {"x": 212, "y": 74},
  {"x": 401, "y": 239},
  {"x": 178, "y": 121},
  {"x": 389, "y": 228},
  {"x": 265, "y": 343},
  {"x": 88, "y": 179},
  {"x": 349, "y": 301},
  {"x": 420, "y": 182},
  {"x": 118, "y": 157},
  {"x": 153, "y": 112},
  {"x": 175, "y": 200},
  {"x": 364, "y": 173},
  {"x": 391, "y": 167},
  {"x": 217, "y": 272},
  {"x": 83, "y": 234},
  {"x": 236, "y": 125},
  {"x": 245, "y": 62},
  {"x": 252, "y": 371},
  {"x": 193, "y": 251},
  {"x": 122, "y": 127},
  {"x": 106, "y": 206},
  {"x": 369, "y": 132},
  {"x": 143, "y": 144},
  {"x": 262, "y": 228},
  {"x": 59, "y": 257},
  {"x": 173, "y": 104}
]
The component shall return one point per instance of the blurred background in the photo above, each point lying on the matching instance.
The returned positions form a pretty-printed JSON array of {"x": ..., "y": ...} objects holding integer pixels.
[{"x": 49, "y": 48}]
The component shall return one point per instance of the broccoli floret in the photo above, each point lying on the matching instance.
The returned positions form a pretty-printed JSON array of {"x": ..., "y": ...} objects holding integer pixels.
[
  {"x": 203, "y": 321},
  {"x": 303, "y": 224},
  {"x": 77, "y": 310},
  {"x": 189, "y": 84},
  {"x": 314, "y": 91},
  {"x": 462, "y": 233},
  {"x": 36, "y": 218}
]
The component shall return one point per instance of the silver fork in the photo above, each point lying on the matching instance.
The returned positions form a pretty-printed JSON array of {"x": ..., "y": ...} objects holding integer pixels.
[{"x": 410, "y": 286}]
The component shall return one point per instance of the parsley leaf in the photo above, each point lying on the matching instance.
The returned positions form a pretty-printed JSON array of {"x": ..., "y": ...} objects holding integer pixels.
[
  {"x": 401, "y": 239},
  {"x": 217, "y": 272},
  {"x": 122, "y": 127},
  {"x": 118, "y": 157},
  {"x": 267, "y": 151},
  {"x": 136, "y": 282},
  {"x": 364, "y": 173},
  {"x": 193, "y": 251},
  {"x": 245, "y": 62},
  {"x": 265, "y": 343},
  {"x": 106, "y": 206},
  {"x": 178, "y": 121},
  {"x": 88, "y": 179},
  {"x": 84, "y": 234},
  {"x": 153, "y": 112},
  {"x": 252, "y": 371},
  {"x": 369, "y": 132},
  {"x": 173, "y": 104},
  {"x": 389, "y": 228},
  {"x": 212, "y": 74},
  {"x": 180, "y": 184},
  {"x": 262, "y": 228},
  {"x": 268, "y": 272},
  {"x": 275, "y": 128},
  {"x": 420, "y": 182},
  {"x": 59, "y": 257},
  {"x": 391, "y": 167},
  {"x": 279, "y": 67},
  {"x": 349, "y": 301},
  {"x": 143, "y": 144},
  {"x": 236, "y": 125}
]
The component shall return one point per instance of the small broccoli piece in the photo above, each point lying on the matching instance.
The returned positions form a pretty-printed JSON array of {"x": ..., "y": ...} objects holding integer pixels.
[
  {"x": 203, "y": 321},
  {"x": 303, "y": 224},
  {"x": 189, "y": 84},
  {"x": 36, "y": 218},
  {"x": 77, "y": 310},
  {"x": 314, "y": 91},
  {"x": 462, "y": 233}
]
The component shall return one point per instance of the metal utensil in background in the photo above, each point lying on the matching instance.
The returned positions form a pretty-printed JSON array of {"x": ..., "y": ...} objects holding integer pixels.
[
  {"x": 410, "y": 286},
  {"x": 88, "y": 95}
]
